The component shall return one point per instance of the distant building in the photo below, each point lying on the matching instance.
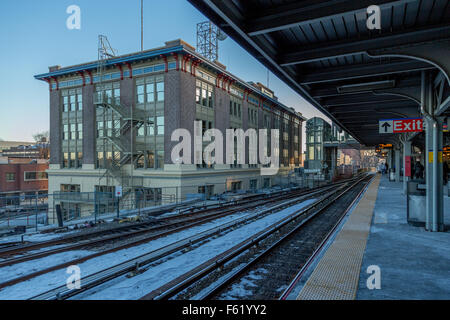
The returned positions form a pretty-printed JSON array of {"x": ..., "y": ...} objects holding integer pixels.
[
  {"x": 32, "y": 151},
  {"x": 23, "y": 177},
  {"x": 12, "y": 144},
  {"x": 114, "y": 128},
  {"x": 317, "y": 155}
]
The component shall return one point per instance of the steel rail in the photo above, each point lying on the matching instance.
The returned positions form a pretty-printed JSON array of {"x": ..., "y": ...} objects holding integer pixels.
[
  {"x": 118, "y": 229},
  {"x": 134, "y": 264},
  {"x": 175, "y": 227},
  {"x": 319, "y": 249},
  {"x": 237, "y": 273},
  {"x": 134, "y": 243},
  {"x": 177, "y": 285}
]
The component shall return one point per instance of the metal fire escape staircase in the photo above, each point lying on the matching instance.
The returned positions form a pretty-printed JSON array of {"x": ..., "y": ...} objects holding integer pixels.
[
  {"x": 122, "y": 138},
  {"x": 122, "y": 134}
]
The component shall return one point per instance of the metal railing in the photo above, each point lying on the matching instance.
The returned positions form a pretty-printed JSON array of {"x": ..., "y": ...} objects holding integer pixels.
[
  {"x": 26, "y": 211},
  {"x": 23, "y": 211}
]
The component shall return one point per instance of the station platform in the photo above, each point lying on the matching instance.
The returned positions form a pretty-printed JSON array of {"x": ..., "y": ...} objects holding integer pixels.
[{"x": 412, "y": 263}]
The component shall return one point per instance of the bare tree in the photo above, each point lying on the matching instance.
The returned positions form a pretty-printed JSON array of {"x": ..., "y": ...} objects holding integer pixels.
[{"x": 41, "y": 136}]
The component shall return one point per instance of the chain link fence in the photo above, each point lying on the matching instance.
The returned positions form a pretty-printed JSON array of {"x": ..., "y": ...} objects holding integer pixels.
[
  {"x": 18, "y": 212},
  {"x": 41, "y": 209}
]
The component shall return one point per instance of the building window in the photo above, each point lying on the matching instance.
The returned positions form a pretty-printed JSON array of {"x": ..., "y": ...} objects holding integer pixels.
[
  {"x": 65, "y": 160},
  {"x": 198, "y": 95},
  {"x": 72, "y": 163},
  {"x": 140, "y": 93},
  {"x": 150, "y": 159},
  {"x": 207, "y": 190},
  {"x": 160, "y": 159},
  {"x": 151, "y": 128},
  {"x": 80, "y": 102},
  {"x": 146, "y": 89},
  {"x": 160, "y": 125},
  {"x": 80, "y": 131},
  {"x": 236, "y": 185},
  {"x": 150, "y": 92},
  {"x": 73, "y": 101},
  {"x": 253, "y": 184},
  {"x": 204, "y": 94},
  {"x": 66, "y": 132},
  {"x": 73, "y": 131},
  {"x": 100, "y": 159},
  {"x": 70, "y": 188},
  {"x": 66, "y": 104},
  {"x": 160, "y": 91},
  {"x": 10, "y": 177},
  {"x": 35, "y": 175},
  {"x": 252, "y": 116},
  {"x": 72, "y": 127}
]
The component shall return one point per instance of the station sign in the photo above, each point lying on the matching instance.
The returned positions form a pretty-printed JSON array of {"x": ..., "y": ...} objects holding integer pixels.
[
  {"x": 400, "y": 125},
  {"x": 118, "y": 191}
]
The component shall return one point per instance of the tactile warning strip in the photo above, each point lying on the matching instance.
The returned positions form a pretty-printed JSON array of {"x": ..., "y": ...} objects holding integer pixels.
[{"x": 336, "y": 275}]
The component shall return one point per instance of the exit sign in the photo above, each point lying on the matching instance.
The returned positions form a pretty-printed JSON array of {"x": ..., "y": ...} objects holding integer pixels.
[{"x": 400, "y": 125}]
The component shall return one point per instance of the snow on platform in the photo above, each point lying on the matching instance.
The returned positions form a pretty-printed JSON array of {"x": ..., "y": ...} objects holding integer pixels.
[{"x": 414, "y": 263}]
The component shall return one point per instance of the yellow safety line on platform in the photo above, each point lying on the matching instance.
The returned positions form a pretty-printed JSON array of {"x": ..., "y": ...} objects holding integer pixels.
[{"x": 337, "y": 273}]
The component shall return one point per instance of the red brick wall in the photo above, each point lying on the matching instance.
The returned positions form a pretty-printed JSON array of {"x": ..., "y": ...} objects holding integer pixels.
[{"x": 20, "y": 184}]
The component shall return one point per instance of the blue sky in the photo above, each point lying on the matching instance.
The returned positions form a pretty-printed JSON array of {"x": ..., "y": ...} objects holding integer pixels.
[{"x": 34, "y": 36}]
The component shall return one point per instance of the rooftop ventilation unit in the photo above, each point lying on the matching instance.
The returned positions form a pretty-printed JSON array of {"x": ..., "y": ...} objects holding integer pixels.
[{"x": 368, "y": 86}]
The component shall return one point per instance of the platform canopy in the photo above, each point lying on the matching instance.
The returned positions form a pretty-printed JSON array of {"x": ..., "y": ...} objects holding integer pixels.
[{"x": 325, "y": 52}]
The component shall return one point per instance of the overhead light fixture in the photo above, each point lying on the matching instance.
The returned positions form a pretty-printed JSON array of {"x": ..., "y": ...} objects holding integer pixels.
[{"x": 368, "y": 86}]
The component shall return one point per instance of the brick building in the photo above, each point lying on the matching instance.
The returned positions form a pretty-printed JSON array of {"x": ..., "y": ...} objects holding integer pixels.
[
  {"x": 114, "y": 128},
  {"x": 23, "y": 177}
]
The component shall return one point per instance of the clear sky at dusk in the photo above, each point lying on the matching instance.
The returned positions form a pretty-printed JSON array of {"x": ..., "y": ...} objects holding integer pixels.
[{"x": 34, "y": 36}]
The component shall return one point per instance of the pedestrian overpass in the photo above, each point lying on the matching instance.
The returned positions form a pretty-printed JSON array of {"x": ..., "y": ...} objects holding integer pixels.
[{"x": 356, "y": 75}]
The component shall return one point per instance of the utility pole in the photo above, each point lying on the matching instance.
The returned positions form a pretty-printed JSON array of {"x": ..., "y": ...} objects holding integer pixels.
[{"x": 142, "y": 25}]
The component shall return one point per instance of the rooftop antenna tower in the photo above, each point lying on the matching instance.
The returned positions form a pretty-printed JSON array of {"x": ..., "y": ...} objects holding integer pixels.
[
  {"x": 208, "y": 37},
  {"x": 105, "y": 52},
  {"x": 142, "y": 25}
]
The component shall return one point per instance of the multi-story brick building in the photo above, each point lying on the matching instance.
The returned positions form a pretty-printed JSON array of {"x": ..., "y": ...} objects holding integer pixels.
[{"x": 114, "y": 127}]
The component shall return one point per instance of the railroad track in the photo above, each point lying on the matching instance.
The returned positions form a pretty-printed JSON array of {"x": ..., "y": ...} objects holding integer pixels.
[
  {"x": 132, "y": 227},
  {"x": 139, "y": 264},
  {"x": 279, "y": 249},
  {"x": 153, "y": 229},
  {"x": 10, "y": 244}
]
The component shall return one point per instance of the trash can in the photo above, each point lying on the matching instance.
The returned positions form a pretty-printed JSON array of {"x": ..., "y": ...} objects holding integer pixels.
[{"x": 416, "y": 202}]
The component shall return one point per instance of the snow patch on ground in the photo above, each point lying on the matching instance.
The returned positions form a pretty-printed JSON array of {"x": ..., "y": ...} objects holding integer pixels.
[
  {"x": 154, "y": 277},
  {"x": 56, "y": 278}
]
